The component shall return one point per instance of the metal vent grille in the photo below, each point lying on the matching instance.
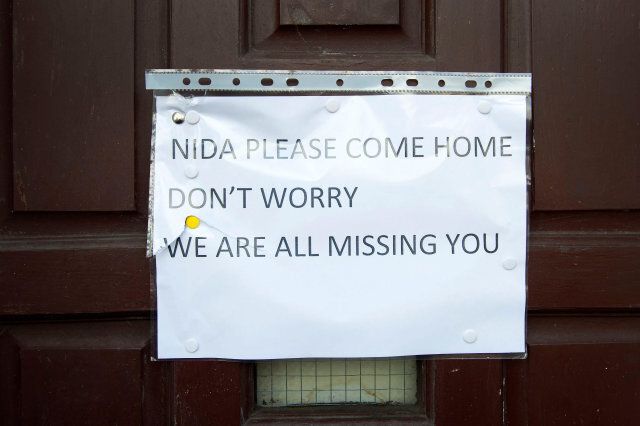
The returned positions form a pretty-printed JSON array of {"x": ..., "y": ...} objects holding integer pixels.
[{"x": 337, "y": 381}]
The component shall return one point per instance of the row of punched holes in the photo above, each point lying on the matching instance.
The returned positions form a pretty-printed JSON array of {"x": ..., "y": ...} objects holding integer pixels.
[{"x": 292, "y": 82}]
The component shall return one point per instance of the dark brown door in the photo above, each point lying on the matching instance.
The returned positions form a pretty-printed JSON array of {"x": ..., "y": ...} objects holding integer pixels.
[{"x": 75, "y": 295}]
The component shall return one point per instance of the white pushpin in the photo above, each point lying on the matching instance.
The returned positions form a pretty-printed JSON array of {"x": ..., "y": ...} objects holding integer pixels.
[
  {"x": 470, "y": 336},
  {"x": 333, "y": 105},
  {"x": 191, "y": 345},
  {"x": 509, "y": 264},
  {"x": 192, "y": 117},
  {"x": 191, "y": 171},
  {"x": 484, "y": 107}
]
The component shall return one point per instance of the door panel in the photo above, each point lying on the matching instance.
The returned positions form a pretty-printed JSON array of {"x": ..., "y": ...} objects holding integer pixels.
[
  {"x": 74, "y": 167},
  {"x": 86, "y": 261},
  {"x": 269, "y": 36},
  {"x": 349, "y": 12},
  {"x": 227, "y": 384},
  {"x": 579, "y": 371},
  {"x": 73, "y": 105},
  {"x": 80, "y": 279},
  {"x": 75, "y": 372},
  {"x": 254, "y": 37},
  {"x": 586, "y": 91},
  {"x": 76, "y": 307},
  {"x": 468, "y": 392},
  {"x": 587, "y": 260}
]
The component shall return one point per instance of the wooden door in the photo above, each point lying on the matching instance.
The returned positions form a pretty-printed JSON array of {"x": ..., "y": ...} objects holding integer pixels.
[{"x": 75, "y": 295}]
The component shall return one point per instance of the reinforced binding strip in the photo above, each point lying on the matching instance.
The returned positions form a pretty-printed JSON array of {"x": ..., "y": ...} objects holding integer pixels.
[{"x": 338, "y": 81}]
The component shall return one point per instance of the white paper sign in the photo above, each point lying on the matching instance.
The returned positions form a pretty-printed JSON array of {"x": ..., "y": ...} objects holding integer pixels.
[{"x": 347, "y": 226}]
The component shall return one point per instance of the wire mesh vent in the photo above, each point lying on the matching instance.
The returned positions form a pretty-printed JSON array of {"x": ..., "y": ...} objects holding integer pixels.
[{"x": 337, "y": 381}]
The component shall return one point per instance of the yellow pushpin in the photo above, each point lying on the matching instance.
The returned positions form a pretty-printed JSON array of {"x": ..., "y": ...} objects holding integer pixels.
[{"x": 192, "y": 222}]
